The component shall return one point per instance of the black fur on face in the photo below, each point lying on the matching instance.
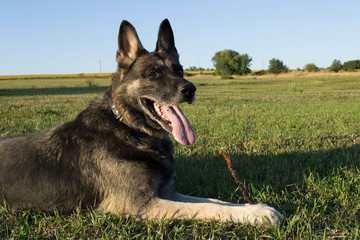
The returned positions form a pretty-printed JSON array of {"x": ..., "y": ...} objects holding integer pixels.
[{"x": 146, "y": 80}]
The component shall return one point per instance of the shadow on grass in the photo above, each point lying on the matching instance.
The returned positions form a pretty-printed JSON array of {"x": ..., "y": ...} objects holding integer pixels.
[
  {"x": 51, "y": 91},
  {"x": 310, "y": 188},
  {"x": 209, "y": 176}
]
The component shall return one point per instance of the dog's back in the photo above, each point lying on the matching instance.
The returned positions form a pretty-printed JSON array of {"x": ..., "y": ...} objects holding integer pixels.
[{"x": 41, "y": 171}]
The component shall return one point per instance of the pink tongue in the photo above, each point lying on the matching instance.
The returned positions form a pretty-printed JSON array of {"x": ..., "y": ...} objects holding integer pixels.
[{"x": 181, "y": 128}]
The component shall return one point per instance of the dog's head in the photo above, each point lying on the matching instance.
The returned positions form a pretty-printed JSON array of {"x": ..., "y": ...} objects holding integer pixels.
[{"x": 149, "y": 86}]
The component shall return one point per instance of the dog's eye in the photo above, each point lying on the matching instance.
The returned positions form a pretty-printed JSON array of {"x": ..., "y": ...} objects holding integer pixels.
[{"x": 152, "y": 74}]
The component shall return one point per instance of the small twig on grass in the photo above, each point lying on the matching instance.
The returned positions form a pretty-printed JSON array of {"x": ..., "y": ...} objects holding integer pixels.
[{"x": 236, "y": 178}]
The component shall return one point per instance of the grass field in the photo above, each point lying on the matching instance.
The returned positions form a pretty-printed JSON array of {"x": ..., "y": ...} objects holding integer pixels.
[{"x": 295, "y": 141}]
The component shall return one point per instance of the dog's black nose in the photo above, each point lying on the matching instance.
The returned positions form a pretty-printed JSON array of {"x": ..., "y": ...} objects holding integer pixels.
[{"x": 188, "y": 91}]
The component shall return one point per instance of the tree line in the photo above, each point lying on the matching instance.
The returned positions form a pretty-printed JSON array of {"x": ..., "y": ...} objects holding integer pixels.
[{"x": 230, "y": 62}]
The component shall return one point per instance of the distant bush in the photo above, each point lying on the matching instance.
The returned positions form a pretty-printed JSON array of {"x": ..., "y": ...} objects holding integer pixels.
[
  {"x": 351, "y": 65},
  {"x": 336, "y": 66},
  {"x": 226, "y": 77},
  {"x": 276, "y": 66},
  {"x": 187, "y": 74},
  {"x": 260, "y": 73},
  {"x": 310, "y": 67},
  {"x": 193, "y": 68}
]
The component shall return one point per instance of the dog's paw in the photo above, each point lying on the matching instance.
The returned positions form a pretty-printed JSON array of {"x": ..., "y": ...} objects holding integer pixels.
[{"x": 261, "y": 214}]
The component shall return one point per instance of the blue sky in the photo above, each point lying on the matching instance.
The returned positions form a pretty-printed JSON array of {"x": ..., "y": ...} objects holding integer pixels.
[{"x": 71, "y": 36}]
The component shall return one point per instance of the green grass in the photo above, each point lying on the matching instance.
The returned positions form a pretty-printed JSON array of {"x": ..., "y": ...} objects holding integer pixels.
[{"x": 294, "y": 141}]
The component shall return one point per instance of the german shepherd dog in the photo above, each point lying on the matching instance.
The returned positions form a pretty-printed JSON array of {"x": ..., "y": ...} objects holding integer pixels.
[{"x": 116, "y": 155}]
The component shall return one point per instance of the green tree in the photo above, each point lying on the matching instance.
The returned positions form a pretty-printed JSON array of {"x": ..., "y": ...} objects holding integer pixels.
[
  {"x": 351, "y": 65},
  {"x": 276, "y": 66},
  {"x": 311, "y": 67},
  {"x": 229, "y": 62},
  {"x": 336, "y": 66}
]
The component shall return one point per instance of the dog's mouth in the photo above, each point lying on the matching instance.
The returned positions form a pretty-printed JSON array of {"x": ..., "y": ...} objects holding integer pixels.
[{"x": 172, "y": 119}]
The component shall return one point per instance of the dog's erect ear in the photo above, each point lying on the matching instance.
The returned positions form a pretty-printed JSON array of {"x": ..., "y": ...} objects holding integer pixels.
[
  {"x": 166, "y": 40},
  {"x": 129, "y": 45}
]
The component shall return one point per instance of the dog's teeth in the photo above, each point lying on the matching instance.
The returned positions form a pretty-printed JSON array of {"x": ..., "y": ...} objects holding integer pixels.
[
  {"x": 158, "y": 111},
  {"x": 157, "y": 108}
]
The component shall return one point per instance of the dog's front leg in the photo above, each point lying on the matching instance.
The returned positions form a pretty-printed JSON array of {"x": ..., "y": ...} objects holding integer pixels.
[
  {"x": 175, "y": 196},
  {"x": 257, "y": 214}
]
